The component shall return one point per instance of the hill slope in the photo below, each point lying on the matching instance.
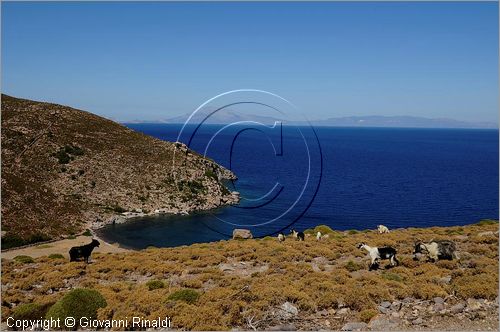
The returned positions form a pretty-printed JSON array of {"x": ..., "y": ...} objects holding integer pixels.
[{"x": 63, "y": 169}]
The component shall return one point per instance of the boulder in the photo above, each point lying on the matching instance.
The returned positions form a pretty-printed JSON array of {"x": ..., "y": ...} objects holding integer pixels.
[
  {"x": 116, "y": 220},
  {"x": 417, "y": 321},
  {"x": 438, "y": 300},
  {"x": 354, "y": 326},
  {"x": 240, "y": 233},
  {"x": 382, "y": 324},
  {"x": 457, "y": 308},
  {"x": 438, "y": 307},
  {"x": 282, "y": 327},
  {"x": 473, "y": 304},
  {"x": 343, "y": 311},
  {"x": 323, "y": 312},
  {"x": 385, "y": 304},
  {"x": 289, "y": 309},
  {"x": 396, "y": 305},
  {"x": 382, "y": 309}
]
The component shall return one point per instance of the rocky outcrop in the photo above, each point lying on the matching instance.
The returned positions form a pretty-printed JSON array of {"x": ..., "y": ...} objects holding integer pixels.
[{"x": 242, "y": 234}]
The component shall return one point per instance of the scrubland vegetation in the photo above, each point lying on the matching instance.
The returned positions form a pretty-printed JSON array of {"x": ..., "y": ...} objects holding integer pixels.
[{"x": 244, "y": 284}]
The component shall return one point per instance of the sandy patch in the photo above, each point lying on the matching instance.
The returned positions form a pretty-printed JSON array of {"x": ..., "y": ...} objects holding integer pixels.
[{"x": 61, "y": 247}]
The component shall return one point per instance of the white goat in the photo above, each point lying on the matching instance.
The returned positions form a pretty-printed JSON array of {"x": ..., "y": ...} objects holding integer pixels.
[
  {"x": 281, "y": 237},
  {"x": 318, "y": 236},
  {"x": 382, "y": 229}
]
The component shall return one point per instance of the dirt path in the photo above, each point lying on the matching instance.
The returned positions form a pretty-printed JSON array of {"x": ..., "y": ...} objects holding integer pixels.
[{"x": 60, "y": 247}]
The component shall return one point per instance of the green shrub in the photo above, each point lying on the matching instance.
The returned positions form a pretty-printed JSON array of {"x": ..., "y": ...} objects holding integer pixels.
[
  {"x": 78, "y": 303},
  {"x": 392, "y": 276},
  {"x": 62, "y": 157},
  {"x": 30, "y": 311},
  {"x": 211, "y": 174},
  {"x": 323, "y": 229},
  {"x": 87, "y": 233},
  {"x": 309, "y": 231},
  {"x": 187, "y": 295},
  {"x": 454, "y": 232},
  {"x": 12, "y": 241},
  {"x": 24, "y": 259},
  {"x": 367, "y": 314},
  {"x": 155, "y": 284},
  {"x": 195, "y": 186},
  {"x": 74, "y": 150},
  {"x": 352, "y": 266},
  {"x": 56, "y": 256},
  {"x": 66, "y": 153},
  {"x": 119, "y": 209},
  {"x": 224, "y": 190},
  {"x": 487, "y": 222}
]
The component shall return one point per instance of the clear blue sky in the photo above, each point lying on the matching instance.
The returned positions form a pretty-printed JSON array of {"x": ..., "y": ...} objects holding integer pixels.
[{"x": 157, "y": 60}]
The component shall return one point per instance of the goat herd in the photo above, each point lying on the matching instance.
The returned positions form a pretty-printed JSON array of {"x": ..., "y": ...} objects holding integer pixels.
[{"x": 434, "y": 250}]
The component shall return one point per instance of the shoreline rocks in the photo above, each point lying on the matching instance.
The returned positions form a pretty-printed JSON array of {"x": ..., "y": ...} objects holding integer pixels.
[{"x": 138, "y": 213}]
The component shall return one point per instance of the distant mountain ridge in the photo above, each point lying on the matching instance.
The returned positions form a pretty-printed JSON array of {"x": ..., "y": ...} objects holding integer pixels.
[
  {"x": 350, "y": 121},
  {"x": 401, "y": 122}
]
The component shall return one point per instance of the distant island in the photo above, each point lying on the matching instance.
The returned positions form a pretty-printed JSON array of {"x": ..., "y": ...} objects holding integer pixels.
[{"x": 350, "y": 121}]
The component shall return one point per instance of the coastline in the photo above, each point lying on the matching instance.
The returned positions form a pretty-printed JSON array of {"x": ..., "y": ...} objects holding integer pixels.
[
  {"x": 62, "y": 246},
  {"x": 94, "y": 226}
]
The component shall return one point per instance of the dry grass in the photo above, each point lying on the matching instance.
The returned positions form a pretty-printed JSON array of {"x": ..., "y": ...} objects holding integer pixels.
[{"x": 238, "y": 281}]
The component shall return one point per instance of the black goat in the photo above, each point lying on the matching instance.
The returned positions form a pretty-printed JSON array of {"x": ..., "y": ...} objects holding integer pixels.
[{"x": 75, "y": 253}]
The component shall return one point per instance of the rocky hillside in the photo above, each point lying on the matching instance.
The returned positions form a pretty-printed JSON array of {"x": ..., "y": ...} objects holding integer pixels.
[
  {"x": 64, "y": 169},
  {"x": 266, "y": 285}
]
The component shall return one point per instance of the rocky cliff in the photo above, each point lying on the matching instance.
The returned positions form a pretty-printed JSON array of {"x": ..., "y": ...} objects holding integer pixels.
[{"x": 65, "y": 169}]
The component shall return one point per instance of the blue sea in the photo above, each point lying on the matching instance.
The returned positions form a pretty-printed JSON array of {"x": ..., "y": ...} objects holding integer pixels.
[{"x": 346, "y": 178}]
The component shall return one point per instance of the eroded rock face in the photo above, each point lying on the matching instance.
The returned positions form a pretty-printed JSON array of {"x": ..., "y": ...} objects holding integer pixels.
[{"x": 240, "y": 233}]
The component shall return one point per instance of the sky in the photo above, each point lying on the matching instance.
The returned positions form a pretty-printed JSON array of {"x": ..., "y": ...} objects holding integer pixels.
[{"x": 150, "y": 61}]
